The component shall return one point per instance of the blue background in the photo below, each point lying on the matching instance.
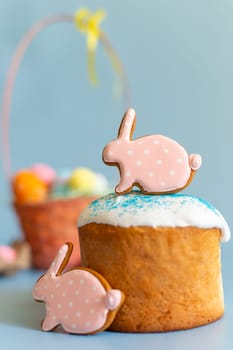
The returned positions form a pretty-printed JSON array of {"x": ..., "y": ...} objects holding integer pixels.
[{"x": 179, "y": 60}]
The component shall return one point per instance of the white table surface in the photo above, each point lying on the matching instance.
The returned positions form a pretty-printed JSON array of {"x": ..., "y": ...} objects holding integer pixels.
[{"x": 20, "y": 318}]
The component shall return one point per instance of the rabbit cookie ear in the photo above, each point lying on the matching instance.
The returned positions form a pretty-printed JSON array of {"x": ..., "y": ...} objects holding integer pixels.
[
  {"x": 127, "y": 125},
  {"x": 61, "y": 259}
]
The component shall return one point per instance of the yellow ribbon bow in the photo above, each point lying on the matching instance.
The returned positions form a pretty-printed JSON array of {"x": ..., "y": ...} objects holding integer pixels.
[{"x": 89, "y": 24}]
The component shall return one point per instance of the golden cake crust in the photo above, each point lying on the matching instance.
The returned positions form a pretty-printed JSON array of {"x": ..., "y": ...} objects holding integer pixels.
[{"x": 171, "y": 276}]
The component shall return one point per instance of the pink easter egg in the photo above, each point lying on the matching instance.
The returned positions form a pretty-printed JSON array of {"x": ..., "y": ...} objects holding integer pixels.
[
  {"x": 8, "y": 254},
  {"x": 44, "y": 172}
]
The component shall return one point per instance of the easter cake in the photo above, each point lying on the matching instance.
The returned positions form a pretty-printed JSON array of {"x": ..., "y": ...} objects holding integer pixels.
[{"x": 160, "y": 248}]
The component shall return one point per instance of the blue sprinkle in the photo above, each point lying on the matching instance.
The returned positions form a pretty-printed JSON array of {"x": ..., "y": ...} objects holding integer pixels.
[{"x": 137, "y": 200}]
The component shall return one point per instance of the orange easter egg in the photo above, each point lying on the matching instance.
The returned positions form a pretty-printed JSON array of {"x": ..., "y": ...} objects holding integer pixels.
[{"x": 28, "y": 188}]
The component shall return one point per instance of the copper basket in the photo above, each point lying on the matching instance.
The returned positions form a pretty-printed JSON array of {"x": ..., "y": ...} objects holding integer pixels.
[{"x": 48, "y": 225}]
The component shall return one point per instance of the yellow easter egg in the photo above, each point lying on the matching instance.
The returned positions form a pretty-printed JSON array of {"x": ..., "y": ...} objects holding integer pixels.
[{"x": 82, "y": 179}]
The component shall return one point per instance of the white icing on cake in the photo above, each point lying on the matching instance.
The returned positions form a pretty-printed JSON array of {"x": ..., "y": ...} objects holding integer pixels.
[{"x": 136, "y": 209}]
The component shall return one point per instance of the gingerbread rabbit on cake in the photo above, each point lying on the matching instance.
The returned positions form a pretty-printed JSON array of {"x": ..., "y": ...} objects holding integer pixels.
[{"x": 156, "y": 164}]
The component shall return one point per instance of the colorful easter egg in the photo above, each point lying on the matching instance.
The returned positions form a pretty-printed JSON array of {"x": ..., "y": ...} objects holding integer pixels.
[
  {"x": 82, "y": 179},
  {"x": 44, "y": 172},
  {"x": 102, "y": 185},
  {"x": 27, "y": 187},
  {"x": 7, "y": 253}
]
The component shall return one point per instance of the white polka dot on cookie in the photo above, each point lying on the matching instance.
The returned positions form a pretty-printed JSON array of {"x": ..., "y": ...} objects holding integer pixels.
[{"x": 138, "y": 162}]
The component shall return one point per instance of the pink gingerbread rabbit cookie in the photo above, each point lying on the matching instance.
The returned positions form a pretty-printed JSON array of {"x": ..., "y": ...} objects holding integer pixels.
[
  {"x": 156, "y": 164},
  {"x": 81, "y": 300}
]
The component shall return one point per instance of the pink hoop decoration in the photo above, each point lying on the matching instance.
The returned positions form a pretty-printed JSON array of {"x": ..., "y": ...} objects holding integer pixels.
[{"x": 13, "y": 69}]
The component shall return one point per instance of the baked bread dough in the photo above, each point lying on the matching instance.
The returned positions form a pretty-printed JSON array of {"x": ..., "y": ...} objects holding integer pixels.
[{"x": 162, "y": 252}]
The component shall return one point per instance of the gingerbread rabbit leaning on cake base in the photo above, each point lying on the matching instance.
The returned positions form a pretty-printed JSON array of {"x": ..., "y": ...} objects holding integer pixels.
[
  {"x": 156, "y": 164},
  {"x": 81, "y": 300}
]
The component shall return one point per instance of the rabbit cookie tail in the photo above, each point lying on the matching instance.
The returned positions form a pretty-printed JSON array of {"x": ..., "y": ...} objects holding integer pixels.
[
  {"x": 113, "y": 300},
  {"x": 61, "y": 259},
  {"x": 195, "y": 161}
]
